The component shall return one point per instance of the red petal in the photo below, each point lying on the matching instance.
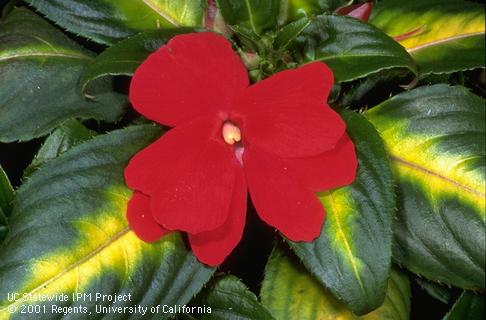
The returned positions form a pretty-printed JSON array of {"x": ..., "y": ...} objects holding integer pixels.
[
  {"x": 195, "y": 195},
  {"x": 280, "y": 199},
  {"x": 141, "y": 220},
  {"x": 361, "y": 11},
  {"x": 189, "y": 175},
  {"x": 332, "y": 169},
  {"x": 194, "y": 74},
  {"x": 212, "y": 247},
  {"x": 147, "y": 168},
  {"x": 287, "y": 113}
]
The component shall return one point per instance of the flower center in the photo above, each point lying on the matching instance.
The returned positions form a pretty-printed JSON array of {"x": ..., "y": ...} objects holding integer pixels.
[{"x": 231, "y": 133}]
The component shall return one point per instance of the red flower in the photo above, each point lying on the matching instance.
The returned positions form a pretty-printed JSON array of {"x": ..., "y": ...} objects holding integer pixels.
[
  {"x": 361, "y": 11},
  {"x": 277, "y": 138}
]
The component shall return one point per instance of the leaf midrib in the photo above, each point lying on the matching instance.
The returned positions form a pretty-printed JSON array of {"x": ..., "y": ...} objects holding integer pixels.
[
  {"x": 414, "y": 166},
  {"x": 443, "y": 40},
  {"x": 347, "y": 246},
  {"x": 162, "y": 13},
  {"x": 113, "y": 239},
  {"x": 47, "y": 55},
  {"x": 250, "y": 16}
]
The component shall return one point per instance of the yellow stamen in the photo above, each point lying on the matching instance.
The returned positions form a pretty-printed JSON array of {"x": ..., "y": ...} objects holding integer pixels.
[{"x": 231, "y": 133}]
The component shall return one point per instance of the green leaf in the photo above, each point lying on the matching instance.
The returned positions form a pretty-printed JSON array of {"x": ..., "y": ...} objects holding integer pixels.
[
  {"x": 249, "y": 40},
  {"x": 352, "y": 48},
  {"x": 229, "y": 298},
  {"x": 3, "y": 230},
  {"x": 436, "y": 138},
  {"x": 435, "y": 290},
  {"x": 444, "y": 35},
  {"x": 6, "y": 197},
  {"x": 397, "y": 301},
  {"x": 125, "y": 56},
  {"x": 292, "y": 293},
  {"x": 469, "y": 306},
  {"x": 40, "y": 69},
  {"x": 359, "y": 89},
  {"x": 308, "y": 8},
  {"x": 6, "y": 193},
  {"x": 255, "y": 15},
  {"x": 6, "y": 8},
  {"x": 356, "y": 238},
  {"x": 108, "y": 21},
  {"x": 69, "y": 234},
  {"x": 287, "y": 34},
  {"x": 69, "y": 134}
]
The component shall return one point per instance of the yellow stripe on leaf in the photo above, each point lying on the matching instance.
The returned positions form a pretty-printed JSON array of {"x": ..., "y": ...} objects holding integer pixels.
[{"x": 340, "y": 209}]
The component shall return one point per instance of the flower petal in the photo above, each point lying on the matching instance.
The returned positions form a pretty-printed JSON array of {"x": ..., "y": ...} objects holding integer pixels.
[
  {"x": 329, "y": 170},
  {"x": 195, "y": 195},
  {"x": 141, "y": 220},
  {"x": 361, "y": 11},
  {"x": 280, "y": 199},
  {"x": 287, "y": 114},
  {"x": 212, "y": 247},
  {"x": 189, "y": 175},
  {"x": 148, "y": 168},
  {"x": 194, "y": 74}
]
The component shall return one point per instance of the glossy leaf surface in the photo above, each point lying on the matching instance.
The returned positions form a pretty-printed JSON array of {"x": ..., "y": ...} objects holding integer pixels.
[
  {"x": 229, "y": 298},
  {"x": 308, "y": 8},
  {"x": 287, "y": 34},
  {"x": 468, "y": 306},
  {"x": 6, "y": 197},
  {"x": 352, "y": 48},
  {"x": 254, "y": 15},
  {"x": 435, "y": 290},
  {"x": 40, "y": 69},
  {"x": 436, "y": 139},
  {"x": 68, "y": 135},
  {"x": 69, "y": 234},
  {"x": 290, "y": 292},
  {"x": 6, "y": 193},
  {"x": 108, "y": 21},
  {"x": 443, "y": 35}
]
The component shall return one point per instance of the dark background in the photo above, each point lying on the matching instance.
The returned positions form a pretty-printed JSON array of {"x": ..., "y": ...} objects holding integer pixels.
[{"x": 249, "y": 258}]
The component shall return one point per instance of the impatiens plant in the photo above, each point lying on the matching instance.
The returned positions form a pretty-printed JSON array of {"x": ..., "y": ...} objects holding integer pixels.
[{"x": 248, "y": 159}]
